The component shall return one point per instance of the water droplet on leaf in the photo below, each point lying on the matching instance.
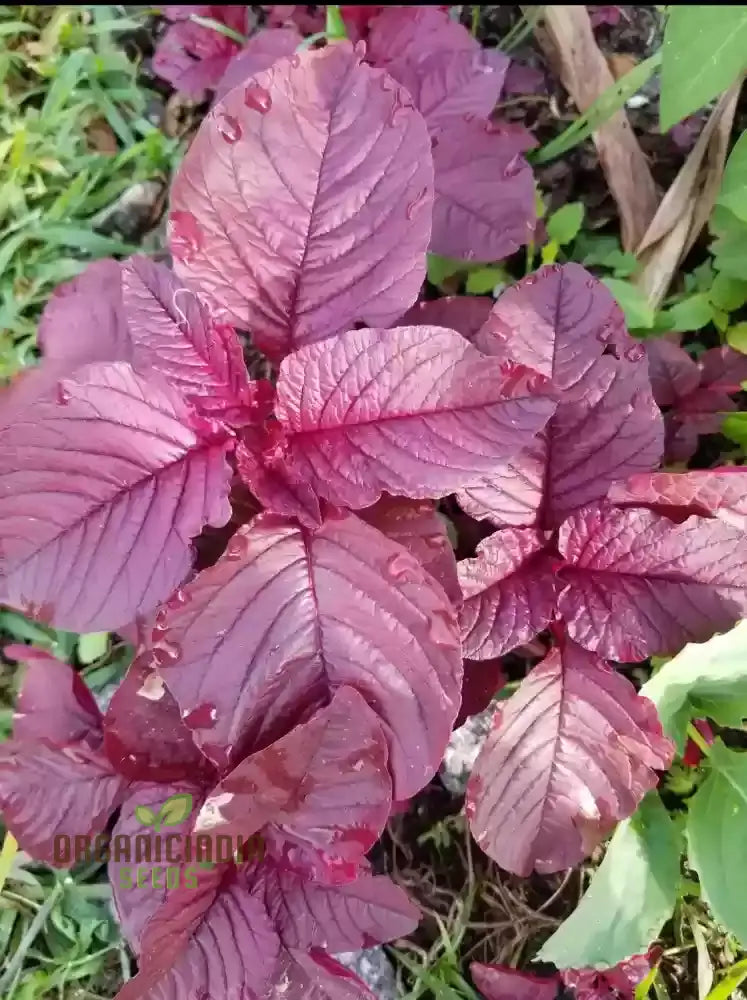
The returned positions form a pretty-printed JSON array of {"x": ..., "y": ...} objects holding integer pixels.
[
  {"x": 229, "y": 128},
  {"x": 257, "y": 98},
  {"x": 635, "y": 353},
  {"x": 513, "y": 167},
  {"x": 202, "y": 717},
  {"x": 416, "y": 203},
  {"x": 63, "y": 395},
  {"x": 238, "y": 547},
  {"x": 166, "y": 653},
  {"x": 185, "y": 235}
]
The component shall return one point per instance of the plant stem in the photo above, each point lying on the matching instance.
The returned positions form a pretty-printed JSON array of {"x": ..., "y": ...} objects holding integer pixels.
[
  {"x": 311, "y": 40},
  {"x": 222, "y": 29},
  {"x": 697, "y": 739}
]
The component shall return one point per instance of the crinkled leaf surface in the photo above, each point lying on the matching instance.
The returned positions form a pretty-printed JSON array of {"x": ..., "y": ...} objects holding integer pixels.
[
  {"x": 499, "y": 982},
  {"x": 261, "y": 465},
  {"x": 304, "y": 203},
  {"x": 415, "y": 411},
  {"x": 54, "y": 702},
  {"x": 118, "y": 476},
  {"x": 406, "y": 33},
  {"x": 706, "y": 680},
  {"x": 174, "y": 333},
  {"x": 464, "y": 313},
  {"x": 640, "y": 584},
  {"x": 708, "y": 492},
  {"x": 510, "y": 592},
  {"x": 631, "y": 895},
  {"x": 46, "y": 790},
  {"x": 327, "y": 780},
  {"x": 417, "y": 526},
  {"x": 570, "y": 754},
  {"x": 145, "y": 738},
  {"x": 260, "y": 53},
  {"x": 286, "y": 616},
  {"x": 715, "y": 835},
  {"x": 565, "y": 324},
  {"x": 484, "y": 191}
]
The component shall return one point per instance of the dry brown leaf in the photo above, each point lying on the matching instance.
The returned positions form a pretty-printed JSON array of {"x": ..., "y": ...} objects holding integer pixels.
[
  {"x": 101, "y": 138},
  {"x": 568, "y": 41},
  {"x": 687, "y": 205},
  {"x": 621, "y": 63}
]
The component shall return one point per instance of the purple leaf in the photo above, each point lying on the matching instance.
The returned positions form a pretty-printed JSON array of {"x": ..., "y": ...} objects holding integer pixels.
[
  {"x": 510, "y": 592},
  {"x": 673, "y": 372},
  {"x": 723, "y": 369},
  {"x": 48, "y": 790},
  {"x": 570, "y": 754},
  {"x": 406, "y": 33},
  {"x": 144, "y": 735},
  {"x": 522, "y": 79},
  {"x": 202, "y": 941},
  {"x": 260, "y": 53},
  {"x": 261, "y": 464},
  {"x": 464, "y": 313},
  {"x": 484, "y": 191},
  {"x": 482, "y": 680},
  {"x": 499, "y": 982},
  {"x": 286, "y": 616},
  {"x": 446, "y": 84},
  {"x": 193, "y": 58},
  {"x": 54, "y": 703},
  {"x": 325, "y": 782},
  {"x": 718, "y": 493},
  {"x": 566, "y": 325},
  {"x": 640, "y": 584},
  {"x": 417, "y": 526},
  {"x": 415, "y": 411},
  {"x": 118, "y": 476},
  {"x": 137, "y": 896},
  {"x": 315, "y": 975},
  {"x": 369, "y": 911},
  {"x": 174, "y": 333},
  {"x": 304, "y": 203}
]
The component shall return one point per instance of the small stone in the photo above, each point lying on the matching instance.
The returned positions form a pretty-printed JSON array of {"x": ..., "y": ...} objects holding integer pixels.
[
  {"x": 374, "y": 968},
  {"x": 461, "y": 753}
]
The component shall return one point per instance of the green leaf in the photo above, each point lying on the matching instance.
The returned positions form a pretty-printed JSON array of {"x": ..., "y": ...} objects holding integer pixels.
[
  {"x": 736, "y": 337},
  {"x": 706, "y": 679},
  {"x": 693, "y": 313},
  {"x": 145, "y": 815},
  {"x": 704, "y": 51},
  {"x": 484, "y": 280},
  {"x": 605, "y": 106},
  {"x": 441, "y": 268},
  {"x": 335, "y": 26},
  {"x": 730, "y": 251},
  {"x": 175, "y": 810},
  {"x": 717, "y": 846},
  {"x": 733, "y": 193},
  {"x": 727, "y": 293},
  {"x": 92, "y": 646},
  {"x": 563, "y": 226},
  {"x": 639, "y": 314},
  {"x": 734, "y": 977},
  {"x": 735, "y": 428},
  {"x": 630, "y": 897}
]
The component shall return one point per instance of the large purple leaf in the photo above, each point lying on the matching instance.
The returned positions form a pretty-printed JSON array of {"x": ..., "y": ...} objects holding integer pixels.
[
  {"x": 304, "y": 203},
  {"x": 639, "y": 584},
  {"x": 510, "y": 592},
  {"x": 287, "y": 616},
  {"x": 407, "y": 33},
  {"x": 415, "y": 411},
  {"x": 194, "y": 58},
  {"x": 369, "y": 911},
  {"x": 174, "y": 333},
  {"x": 444, "y": 84},
  {"x": 326, "y": 781},
  {"x": 260, "y": 53},
  {"x": 145, "y": 737},
  {"x": 566, "y": 325},
  {"x": 54, "y": 703},
  {"x": 417, "y": 525},
  {"x": 464, "y": 313},
  {"x": 213, "y": 940},
  {"x": 48, "y": 790},
  {"x": 570, "y": 754},
  {"x": 499, "y": 982},
  {"x": 484, "y": 190},
  {"x": 118, "y": 475},
  {"x": 718, "y": 493}
]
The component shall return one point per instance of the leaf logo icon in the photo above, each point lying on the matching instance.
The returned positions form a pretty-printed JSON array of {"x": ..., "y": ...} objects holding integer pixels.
[
  {"x": 145, "y": 816},
  {"x": 174, "y": 810}
]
